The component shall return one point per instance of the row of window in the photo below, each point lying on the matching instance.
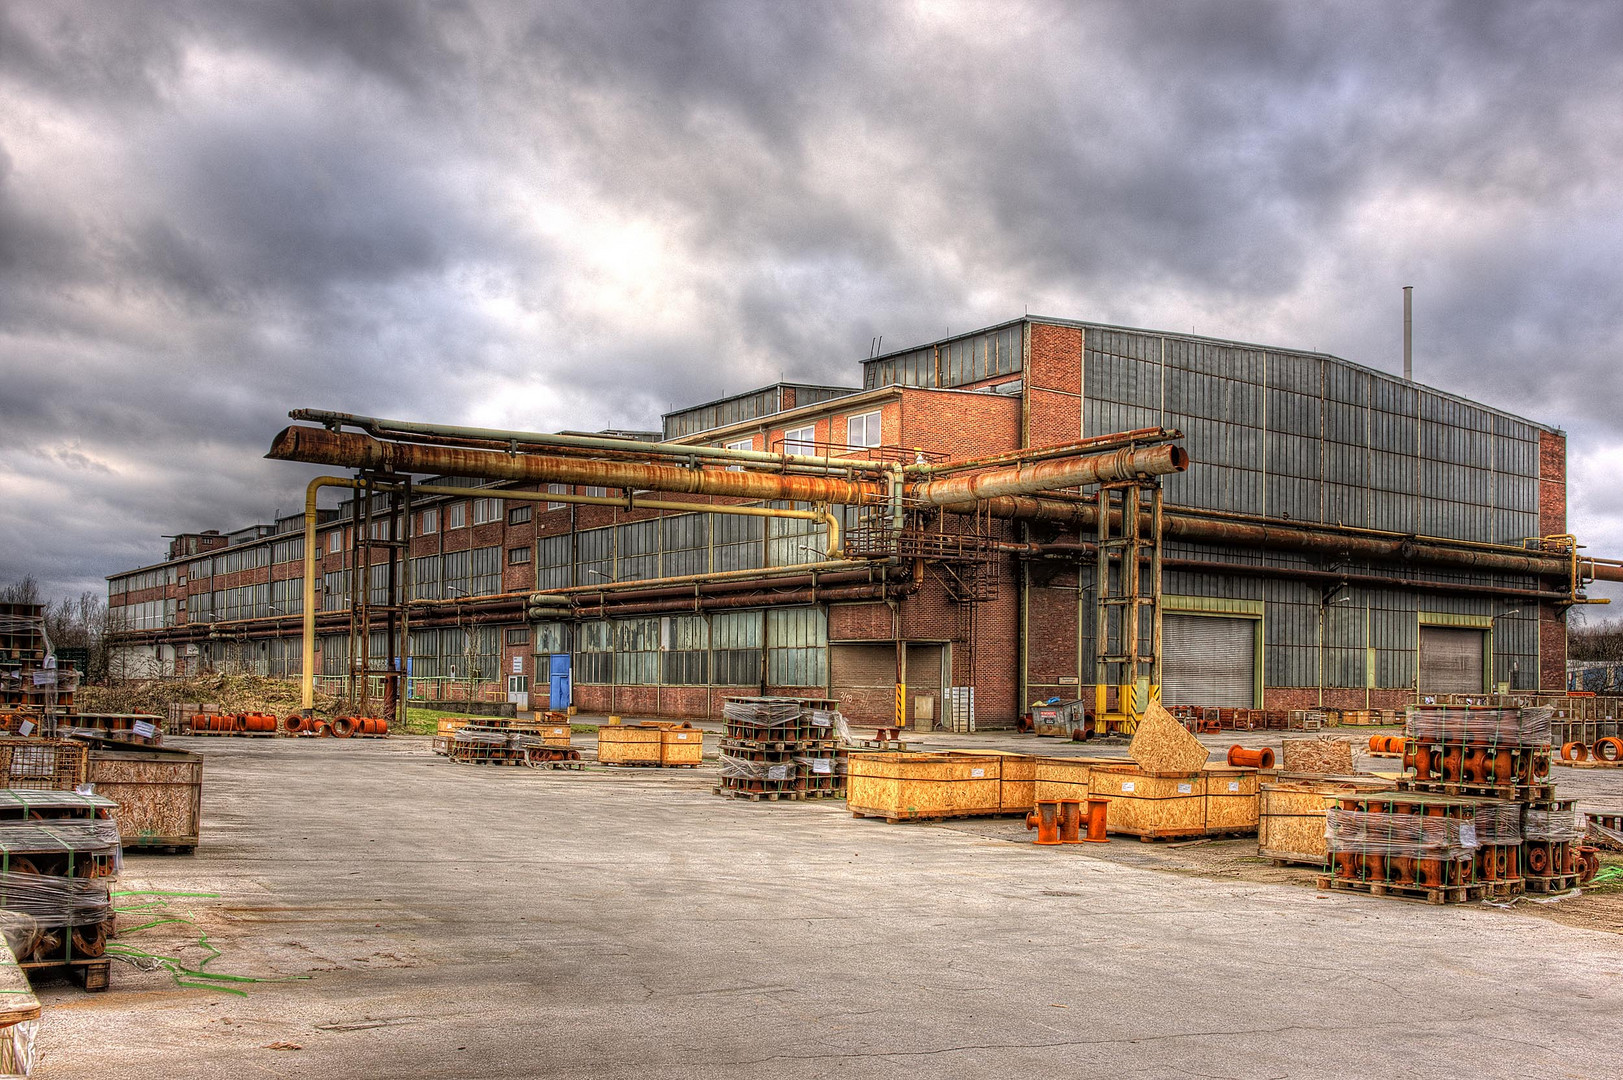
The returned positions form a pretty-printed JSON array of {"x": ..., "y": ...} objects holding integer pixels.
[
  {"x": 783, "y": 646},
  {"x": 861, "y": 430},
  {"x": 146, "y": 579}
]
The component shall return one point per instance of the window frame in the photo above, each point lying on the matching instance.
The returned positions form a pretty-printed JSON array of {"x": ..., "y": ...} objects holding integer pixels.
[
  {"x": 793, "y": 443},
  {"x": 872, "y": 426}
]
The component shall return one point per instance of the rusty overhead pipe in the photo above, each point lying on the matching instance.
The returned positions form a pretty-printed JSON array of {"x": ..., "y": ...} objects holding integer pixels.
[
  {"x": 356, "y": 451},
  {"x": 1265, "y": 533}
]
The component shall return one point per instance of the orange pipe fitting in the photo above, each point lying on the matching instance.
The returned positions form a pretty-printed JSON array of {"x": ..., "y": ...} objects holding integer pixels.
[
  {"x": 1070, "y": 821},
  {"x": 1574, "y": 751},
  {"x": 322, "y": 728},
  {"x": 1589, "y": 864},
  {"x": 1538, "y": 860},
  {"x": 1377, "y": 744},
  {"x": 1098, "y": 819},
  {"x": 1476, "y": 764},
  {"x": 294, "y": 723},
  {"x": 1045, "y": 819},
  {"x": 1418, "y": 758},
  {"x": 343, "y": 727},
  {"x": 1403, "y": 866},
  {"x": 1453, "y": 760},
  {"x": 1608, "y": 749},
  {"x": 1241, "y": 758}
]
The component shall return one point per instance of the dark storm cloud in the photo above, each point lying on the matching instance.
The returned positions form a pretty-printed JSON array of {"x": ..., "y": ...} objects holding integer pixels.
[{"x": 581, "y": 215}]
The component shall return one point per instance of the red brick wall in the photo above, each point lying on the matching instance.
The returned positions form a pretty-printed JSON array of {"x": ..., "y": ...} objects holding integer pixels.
[
  {"x": 1552, "y": 648},
  {"x": 860, "y": 622},
  {"x": 959, "y": 424},
  {"x": 1051, "y": 640},
  {"x": 1054, "y": 385},
  {"x": 1307, "y": 697},
  {"x": 1552, "y": 483}
]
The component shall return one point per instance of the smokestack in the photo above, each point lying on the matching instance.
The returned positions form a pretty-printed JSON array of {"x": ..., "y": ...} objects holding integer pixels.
[{"x": 1408, "y": 333}]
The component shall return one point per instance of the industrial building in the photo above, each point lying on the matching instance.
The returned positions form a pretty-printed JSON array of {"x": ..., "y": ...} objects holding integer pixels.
[{"x": 1342, "y": 538}]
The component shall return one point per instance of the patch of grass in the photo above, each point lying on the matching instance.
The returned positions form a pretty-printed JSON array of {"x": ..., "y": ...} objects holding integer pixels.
[{"x": 426, "y": 721}]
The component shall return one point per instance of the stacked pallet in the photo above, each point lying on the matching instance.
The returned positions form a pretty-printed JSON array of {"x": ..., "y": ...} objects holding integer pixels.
[
  {"x": 59, "y": 852},
  {"x": 497, "y": 741},
  {"x": 782, "y": 748},
  {"x": 1473, "y": 815}
]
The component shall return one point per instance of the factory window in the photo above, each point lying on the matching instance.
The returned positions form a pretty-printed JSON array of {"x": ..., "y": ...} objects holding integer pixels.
[
  {"x": 735, "y": 642},
  {"x": 430, "y": 521},
  {"x": 486, "y": 576},
  {"x": 742, "y": 444},
  {"x": 557, "y": 489},
  {"x": 518, "y": 515},
  {"x": 335, "y": 541},
  {"x": 486, "y": 510},
  {"x": 862, "y": 430},
  {"x": 517, "y": 555},
  {"x": 552, "y": 570},
  {"x": 685, "y": 648},
  {"x": 802, "y": 440},
  {"x": 636, "y": 657},
  {"x": 454, "y": 574},
  {"x": 518, "y": 635},
  {"x": 797, "y": 647},
  {"x": 425, "y": 578},
  {"x": 595, "y": 492},
  {"x": 595, "y": 661},
  {"x": 283, "y": 551},
  {"x": 456, "y": 515}
]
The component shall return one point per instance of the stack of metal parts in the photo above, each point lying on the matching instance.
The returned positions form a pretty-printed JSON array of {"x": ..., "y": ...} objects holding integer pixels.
[
  {"x": 505, "y": 742},
  {"x": 59, "y": 853},
  {"x": 782, "y": 748},
  {"x": 1475, "y": 815}
]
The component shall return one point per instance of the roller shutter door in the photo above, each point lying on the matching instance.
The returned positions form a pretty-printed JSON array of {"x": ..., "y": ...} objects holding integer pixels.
[
  {"x": 1208, "y": 660},
  {"x": 862, "y": 678},
  {"x": 1451, "y": 660}
]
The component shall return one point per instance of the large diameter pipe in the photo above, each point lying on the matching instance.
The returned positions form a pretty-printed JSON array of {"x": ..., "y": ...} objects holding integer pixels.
[
  {"x": 676, "y": 606},
  {"x": 1030, "y": 478},
  {"x": 349, "y": 450},
  {"x": 1195, "y": 527}
]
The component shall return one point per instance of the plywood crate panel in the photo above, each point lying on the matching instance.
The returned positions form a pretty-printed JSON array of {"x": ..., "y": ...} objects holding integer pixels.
[
  {"x": 619, "y": 744},
  {"x": 911, "y": 786},
  {"x": 1161, "y": 807},
  {"x": 1290, "y": 816},
  {"x": 1231, "y": 799},
  {"x": 159, "y": 795},
  {"x": 1066, "y": 777},
  {"x": 681, "y": 746},
  {"x": 1017, "y": 774}
]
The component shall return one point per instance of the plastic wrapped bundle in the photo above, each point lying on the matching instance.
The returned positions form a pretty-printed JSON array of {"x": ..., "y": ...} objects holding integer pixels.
[
  {"x": 81, "y": 839},
  {"x": 761, "y": 712},
  {"x": 738, "y": 768},
  {"x": 1417, "y": 836},
  {"x": 1492, "y": 727},
  {"x": 1556, "y": 826},
  {"x": 481, "y": 736},
  {"x": 1499, "y": 824},
  {"x": 819, "y": 766},
  {"x": 523, "y": 740},
  {"x": 56, "y": 901}
]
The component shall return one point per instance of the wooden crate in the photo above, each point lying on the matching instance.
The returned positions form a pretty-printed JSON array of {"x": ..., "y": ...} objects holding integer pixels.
[
  {"x": 907, "y": 787},
  {"x": 1290, "y": 816},
  {"x": 1017, "y": 778},
  {"x": 1150, "y": 807},
  {"x": 680, "y": 746},
  {"x": 159, "y": 795},
  {"x": 1231, "y": 800},
  {"x": 624, "y": 744},
  {"x": 554, "y": 734},
  {"x": 1066, "y": 777}
]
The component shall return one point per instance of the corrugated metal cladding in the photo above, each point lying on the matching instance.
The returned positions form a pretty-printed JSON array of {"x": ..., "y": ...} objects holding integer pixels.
[
  {"x": 1313, "y": 438},
  {"x": 1210, "y": 660},
  {"x": 751, "y": 406},
  {"x": 1368, "y": 637}
]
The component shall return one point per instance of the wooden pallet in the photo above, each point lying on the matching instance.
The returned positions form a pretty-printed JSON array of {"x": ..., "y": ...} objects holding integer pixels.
[
  {"x": 1590, "y": 764},
  {"x": 1449, "y": 894},
  {"x": 808, "y": 746},
  {"x": 1466, "y": 789},
  {"x": 1184, "y": 834},
  {"x": 94, "y": 976},
  {"x": 1553, "y": 883},
  {"x": 648, "y": 765},
  {"x": 934, "y": 816},
  {"x": 760, "y": 796},
  {"x": 1384, "y": 753}
]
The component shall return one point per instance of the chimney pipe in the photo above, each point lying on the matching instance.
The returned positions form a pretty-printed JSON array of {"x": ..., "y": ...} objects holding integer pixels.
[{"x": 1408, "y": 333}]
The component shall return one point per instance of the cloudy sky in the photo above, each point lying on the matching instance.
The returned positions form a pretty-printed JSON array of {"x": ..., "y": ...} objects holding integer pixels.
[{"x": 582, "y": 214}]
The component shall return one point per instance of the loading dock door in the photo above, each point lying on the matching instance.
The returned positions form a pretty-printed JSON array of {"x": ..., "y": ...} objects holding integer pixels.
[
  {"x": 862, "y": 678},
  {"x": 1208, "y": 660},
  {"x": 1451, "y": 660}
]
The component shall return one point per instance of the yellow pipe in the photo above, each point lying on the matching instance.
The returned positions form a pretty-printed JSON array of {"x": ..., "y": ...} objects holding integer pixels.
[{"x": 307, "y": 675}]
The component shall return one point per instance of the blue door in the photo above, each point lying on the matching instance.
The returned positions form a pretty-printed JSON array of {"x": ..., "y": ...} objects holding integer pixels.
[{"x": 562, "y": 682}]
